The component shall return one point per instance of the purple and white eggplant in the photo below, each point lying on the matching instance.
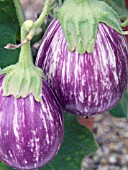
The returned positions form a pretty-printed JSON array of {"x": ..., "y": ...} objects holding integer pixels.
[
  {"x": 31, "y": 132},
  {"x": 85, "y": 84}
]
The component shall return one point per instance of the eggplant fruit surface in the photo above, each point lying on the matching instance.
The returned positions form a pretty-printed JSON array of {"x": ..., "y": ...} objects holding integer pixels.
[
  {"x": 85, "y": 84},
  {"x": 30, "y": 132}
]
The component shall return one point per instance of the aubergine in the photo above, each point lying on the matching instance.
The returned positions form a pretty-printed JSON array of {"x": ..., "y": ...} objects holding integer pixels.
[
  {"x": 31, "y": 132},
  {"x": 85, "y": 84}
]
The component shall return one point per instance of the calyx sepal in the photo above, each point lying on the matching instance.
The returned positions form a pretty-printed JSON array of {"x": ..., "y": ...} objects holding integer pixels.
[
  {"x": 79, "y": 20},
  {"x": 20, "y": 82},
  {"x": 23, "y": 78}
]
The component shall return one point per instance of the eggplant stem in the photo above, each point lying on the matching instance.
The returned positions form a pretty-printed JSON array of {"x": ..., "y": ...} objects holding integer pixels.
[
  {"x": 124, "y": 32},
  {"x": 34, "y": 28},
  {"x": 125, "y": 23}
]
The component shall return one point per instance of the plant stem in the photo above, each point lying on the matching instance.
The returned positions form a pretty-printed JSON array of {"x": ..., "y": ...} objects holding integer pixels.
[
  {"x": 23, "y": 78},
  {"x": 19, "y": 11},
  {"x": 25, "y": 58},
  {"x": 125, "y": 23},
  {"x": 40, "y": 20},
  {"x": 36, "y": 25}
]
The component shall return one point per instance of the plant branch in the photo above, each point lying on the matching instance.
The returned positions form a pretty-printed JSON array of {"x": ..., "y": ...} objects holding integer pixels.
[
  {"x": 39, "y": 21},
  {"x": 124, "y": 32},
  {"x": 125, "y": 23},
  {"x": 29, "y": 76},
  {"x": 36, "y": 25},
  {"x": 19, "y": 11},
  {"x": 41, "y": 18}
]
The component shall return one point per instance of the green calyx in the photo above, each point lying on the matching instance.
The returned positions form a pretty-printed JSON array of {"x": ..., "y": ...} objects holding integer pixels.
[
  {"x": 23, "y": 78},
  {"x": 79, "y": 20},
  {"x": 20, "y": 82}
]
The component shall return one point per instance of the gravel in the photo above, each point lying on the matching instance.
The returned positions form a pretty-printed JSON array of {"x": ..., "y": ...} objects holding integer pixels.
[{"x": 111, "y": 135}]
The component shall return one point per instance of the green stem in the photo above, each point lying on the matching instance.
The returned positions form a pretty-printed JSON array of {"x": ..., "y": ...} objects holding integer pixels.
[
  {"x": 23, "y": 78},
  {"x": 40, "y": 20},
  {"x": 36, "y": 25},
  {"x": 25, "y": 58},
  {"x": 124, "y": 32},
  {"x": 125, "y": 23},
  {"x": 19, "y": 11}
]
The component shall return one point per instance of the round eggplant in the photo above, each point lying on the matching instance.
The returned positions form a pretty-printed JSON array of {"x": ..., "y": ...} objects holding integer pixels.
[
  {"x": 30, "y": 132},
  {"x": 85, "y": 84}
]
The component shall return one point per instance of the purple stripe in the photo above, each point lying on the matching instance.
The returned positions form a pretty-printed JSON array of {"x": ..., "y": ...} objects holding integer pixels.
[
  {"x": 30, "y": 132},
  {"x": 86, "y": 84}
]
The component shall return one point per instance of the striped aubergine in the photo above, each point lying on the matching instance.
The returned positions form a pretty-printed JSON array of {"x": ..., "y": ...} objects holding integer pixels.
[
  {"x": 85, "y": 84},
  {"x": 30, "y": 132}
]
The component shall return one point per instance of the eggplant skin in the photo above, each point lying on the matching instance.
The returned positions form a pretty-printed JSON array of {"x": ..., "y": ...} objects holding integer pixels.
[
  {"x": 85, "y": 84},
  {"x": 31, "y": 132}
]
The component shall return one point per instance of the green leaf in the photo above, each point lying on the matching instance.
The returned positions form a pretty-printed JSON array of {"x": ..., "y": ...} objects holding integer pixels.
[
  {"x": 119, "y": 7},
  {"x": 78, "y": 142},
  {"x": 8, "y": 28},
  {"x": 79, "y": 20},
  {"x": 4, "y": 167},
  {"x": 121, "y": 110}
]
